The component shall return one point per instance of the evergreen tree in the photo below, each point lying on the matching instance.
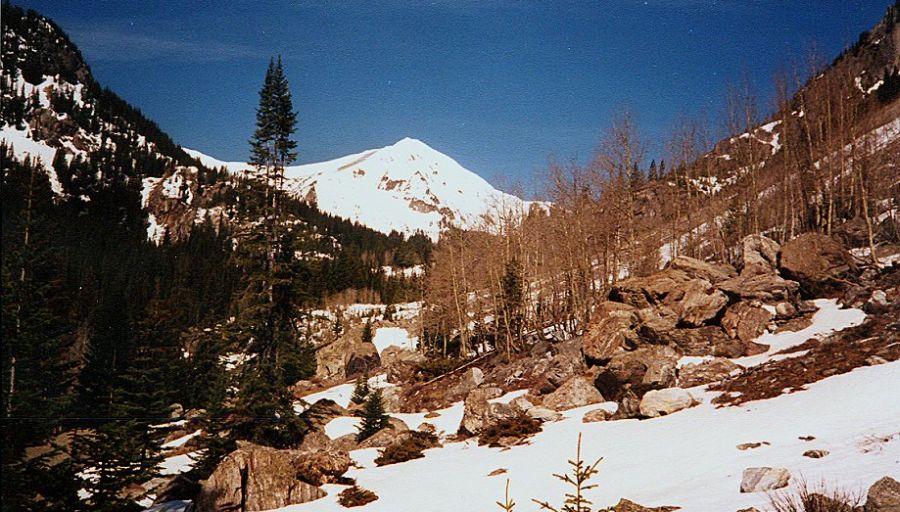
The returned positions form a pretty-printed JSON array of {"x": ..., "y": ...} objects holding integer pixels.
[
  {"x": 367, "y": 335},
  {"x": 361, "y": 391},
  {"x": 36, "y": 337},
  {"x": 270, "y": 307},
  {"x": 374, "y": 416},
  {"x": 512, "y": 301}
]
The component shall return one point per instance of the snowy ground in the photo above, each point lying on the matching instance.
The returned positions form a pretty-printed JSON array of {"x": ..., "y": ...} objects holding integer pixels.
[
  {"x": 688, "y": 459},
  {"x": 394, "y": 336}
]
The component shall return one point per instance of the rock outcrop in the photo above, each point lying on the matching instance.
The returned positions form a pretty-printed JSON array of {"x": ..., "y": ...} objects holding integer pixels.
[
  {"x": 254, "y": 478},
  {"x": 706, "y": 372},
  {"x": 611, "y": 328}
]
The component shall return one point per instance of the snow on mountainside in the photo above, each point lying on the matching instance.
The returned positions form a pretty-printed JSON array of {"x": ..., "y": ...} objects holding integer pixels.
[{"x": 405, "y": 187}]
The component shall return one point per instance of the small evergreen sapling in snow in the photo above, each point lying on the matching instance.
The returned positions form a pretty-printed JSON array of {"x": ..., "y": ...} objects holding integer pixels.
[
  {"x": 362, "y": 391},
  {"x": 581, "y": 474},
  {"x": 374, "y": 417}
]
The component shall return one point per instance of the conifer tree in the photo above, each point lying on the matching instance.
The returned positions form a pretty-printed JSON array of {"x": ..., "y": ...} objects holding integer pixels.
[
  {"x": 361, "y": 390},
  {"x": 367, "y": 335},
  {"x": 36, "y": 336},
  {"x": 374, "y": 416},
  {"x": 270, "y": 307}
]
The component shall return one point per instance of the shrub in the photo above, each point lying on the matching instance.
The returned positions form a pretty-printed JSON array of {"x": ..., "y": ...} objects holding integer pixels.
[
  {"x": 356, "y": 496},
  {"x": 409, "y": 448},
  {"x": 818, "y": 499},
  {"x": 518, "y": 426},
  {"x": 436, "y": 367}
]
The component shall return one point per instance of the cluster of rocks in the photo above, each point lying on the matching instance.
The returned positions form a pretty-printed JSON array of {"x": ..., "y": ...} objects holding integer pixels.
[{"x": 696, "y": 308}]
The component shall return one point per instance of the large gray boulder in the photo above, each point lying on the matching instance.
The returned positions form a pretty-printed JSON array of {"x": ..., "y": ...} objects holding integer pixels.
[
  {"x": 764, "y": 479},
  {"x": 575, "y": 392}
]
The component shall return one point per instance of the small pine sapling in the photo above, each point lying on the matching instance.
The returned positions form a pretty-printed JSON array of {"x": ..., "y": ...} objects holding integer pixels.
[
  {"x": 507, "y": 504},
  {"x": 581, "y": 474}
]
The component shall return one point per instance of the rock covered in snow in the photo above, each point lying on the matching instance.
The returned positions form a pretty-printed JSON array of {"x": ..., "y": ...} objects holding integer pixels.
[{"x": 764, "y": 479}]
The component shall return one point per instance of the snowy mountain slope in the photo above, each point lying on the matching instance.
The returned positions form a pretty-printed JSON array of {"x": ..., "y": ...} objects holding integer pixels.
[{"x": 405, "y": 187}]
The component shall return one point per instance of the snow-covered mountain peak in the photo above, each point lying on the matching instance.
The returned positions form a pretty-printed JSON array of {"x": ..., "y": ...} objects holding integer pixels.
[{"x": 407, "y": 186}]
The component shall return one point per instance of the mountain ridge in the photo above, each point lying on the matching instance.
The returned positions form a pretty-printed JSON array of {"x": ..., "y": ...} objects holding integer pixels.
[{"x": 407, "y": 187}]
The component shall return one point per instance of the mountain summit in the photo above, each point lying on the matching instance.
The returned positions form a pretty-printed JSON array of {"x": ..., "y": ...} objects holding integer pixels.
[{"x": 407, "y": 187}]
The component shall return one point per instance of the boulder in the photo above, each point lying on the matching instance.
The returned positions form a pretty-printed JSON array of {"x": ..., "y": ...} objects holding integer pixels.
[
  {"x": 254, "y": 478},
  {"x": 392, "y": 398},
  {"x": 759, "y": 255},
  {"x": 544, "y": 414},
  {"x": 703, "y": 270},
  {"x": 884, "y": 496},
  {"x": 764, "y": 287},
  {"x": 816, "y": 454},
  {"x": 643, "y": 292},
  {"x": 322, "y": 467},
  {"x": 596, "y": 415},
  {"x": 361, "y": 360},
  {"x": 746, "y": 320},
  {"x": 699, "y": 303},
  {"x": 477, "y": 411},
  {"x": 764, "y": 479},
  {"x": 709, "y": 340},
  {"x": 814, "y": 259},
  {"x": 648, "y": 367},
  {"x": 576, "y": 392},
  {"x": 610, "y": 328},
  {"x": 629, "y": 506},
  {"x": 706, "y": 372},
  {"x": 660, "y": 402}
]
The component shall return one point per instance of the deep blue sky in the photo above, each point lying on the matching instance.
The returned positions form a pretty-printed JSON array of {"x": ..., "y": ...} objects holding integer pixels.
[{"x": 500, "y": 86}]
